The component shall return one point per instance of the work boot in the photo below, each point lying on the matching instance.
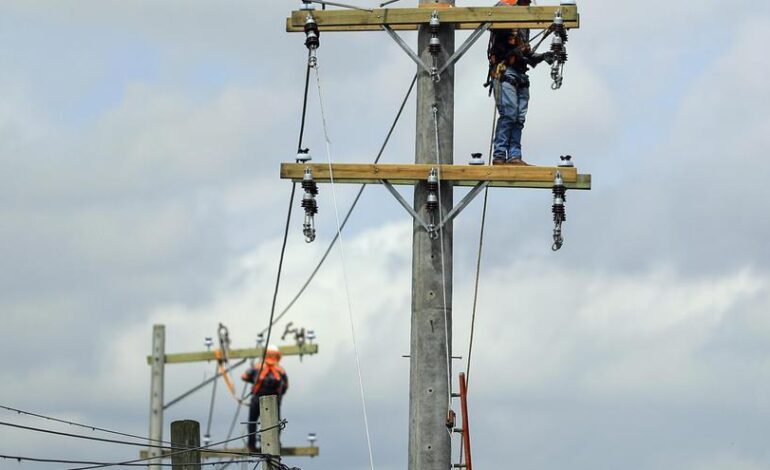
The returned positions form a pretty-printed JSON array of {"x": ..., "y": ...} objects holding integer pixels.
[
  {"x": 498, "y": 160},
  {"x": 517, "y": 161}
]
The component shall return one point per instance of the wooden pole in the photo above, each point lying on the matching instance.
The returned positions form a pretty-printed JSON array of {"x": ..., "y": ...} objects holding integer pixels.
[
  {"x": 156, "y": 393},
  {"x": 186, "y": 434},
  {"x": 431, "y": 326},
  {"x": 268, "y": 418}
]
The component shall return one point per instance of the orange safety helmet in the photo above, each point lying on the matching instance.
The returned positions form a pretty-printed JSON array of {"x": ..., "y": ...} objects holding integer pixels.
[
  {"x": 516, "y": 2},
  {"x": 272, "y": 355}
]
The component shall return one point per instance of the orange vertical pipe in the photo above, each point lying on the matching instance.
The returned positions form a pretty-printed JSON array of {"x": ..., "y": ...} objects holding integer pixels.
[{"x": 466, "y": 426}]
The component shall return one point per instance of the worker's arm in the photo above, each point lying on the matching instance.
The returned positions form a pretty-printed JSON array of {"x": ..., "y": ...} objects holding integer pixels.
[{"x": 248, "y": 376}]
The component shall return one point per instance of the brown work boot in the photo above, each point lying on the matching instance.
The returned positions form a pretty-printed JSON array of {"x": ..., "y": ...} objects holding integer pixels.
[
  {"x": 498, "y": 161},
  {"x": 517, "y": 161}
]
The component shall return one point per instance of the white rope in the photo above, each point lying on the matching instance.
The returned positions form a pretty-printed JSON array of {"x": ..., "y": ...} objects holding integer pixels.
[
  {"x": 443, "y": 269},
  {"x": 344, "y": 274}
]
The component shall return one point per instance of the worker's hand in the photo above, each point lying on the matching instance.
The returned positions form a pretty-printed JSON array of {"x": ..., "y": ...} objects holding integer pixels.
[{"x": 549, "y": 57}]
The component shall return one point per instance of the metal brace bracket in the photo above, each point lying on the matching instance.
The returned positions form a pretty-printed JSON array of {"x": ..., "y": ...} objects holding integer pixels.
[
  {"x": 433, "y": 230},
  {"x": 407, "y": 49},
  {"x": 432, "y": 71},
  {"x": 475, "y": 35},
  {"x": 430, "y": 228},
  {"x": 463, "y": 204}
]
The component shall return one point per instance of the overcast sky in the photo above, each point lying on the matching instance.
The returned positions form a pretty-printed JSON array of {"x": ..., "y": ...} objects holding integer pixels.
[{"x": 139, "y": 150}]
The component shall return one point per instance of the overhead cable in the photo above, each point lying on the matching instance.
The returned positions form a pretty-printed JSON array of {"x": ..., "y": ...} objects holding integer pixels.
[
  {"x": 20, "y": 458},
  {"x": 350, "y": 211},
  {"x": 344, "y": 273},
  {"x": 177, "y": 452},
  {"x": 85, "y": 426}
]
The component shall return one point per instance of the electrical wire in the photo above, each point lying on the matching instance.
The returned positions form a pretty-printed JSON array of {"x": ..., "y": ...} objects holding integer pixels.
[
  {"x": 202, "y": 384},
  {"x": 443, "y": 268},
  {"x": 211, "y": 405},
  {"x": 478, "y": 271},
  {"x": 85, "y": 426},
  {"x": 93, "y": 438},
  {"x": 344, "y": 273},
  {"x": 79, "y": 436},
  {"x": 21, "y": 458},
  {"x": 478, "y": 260},
  {"x": 350, "y": 211},
  {"x": 269, "y": 329},
  {"x": 190, "y": 449}
]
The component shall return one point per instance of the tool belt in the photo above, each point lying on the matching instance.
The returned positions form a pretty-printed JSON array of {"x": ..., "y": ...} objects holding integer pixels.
[{"x": 518, "y": 82}]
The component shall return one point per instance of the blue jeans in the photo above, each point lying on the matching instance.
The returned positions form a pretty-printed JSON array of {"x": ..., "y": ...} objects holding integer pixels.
[{"x": 512, "y": 104}]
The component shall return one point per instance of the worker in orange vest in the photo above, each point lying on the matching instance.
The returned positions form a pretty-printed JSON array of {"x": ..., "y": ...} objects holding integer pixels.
[{"x": 272, "y": 380}]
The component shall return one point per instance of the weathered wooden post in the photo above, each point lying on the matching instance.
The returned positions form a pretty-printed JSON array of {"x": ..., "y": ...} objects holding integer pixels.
[{"x": 186, "y": 434}]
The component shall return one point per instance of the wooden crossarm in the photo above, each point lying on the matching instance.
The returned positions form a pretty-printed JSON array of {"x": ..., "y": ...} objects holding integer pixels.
[
  {"x": 462, "y": 175},
  {"x": 534, "y": 17},
  {"x": 293, "y": 350}
]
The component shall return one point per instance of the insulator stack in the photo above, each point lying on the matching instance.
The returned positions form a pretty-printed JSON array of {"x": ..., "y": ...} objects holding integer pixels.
[
  {"x": 558, "y": 210},
  {"x": 312, "y": 39},
  {"x": 434, "y": 46},
  {"x": 432, "y": 186},
  {"x": 310, "y": 205},
  {"x": 312, "y": 35},
  {"x": 434, "y": 24},
  {"x": 559, "y": 50}
]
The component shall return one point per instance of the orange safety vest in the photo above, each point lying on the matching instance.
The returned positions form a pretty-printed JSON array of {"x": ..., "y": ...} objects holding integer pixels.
[{"x": 275, "y": 371}]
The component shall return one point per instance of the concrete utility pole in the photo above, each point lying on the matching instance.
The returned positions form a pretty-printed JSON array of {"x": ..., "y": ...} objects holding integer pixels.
[
  {"x": 186, "y": 434},
  {"x": 431, "y": 331},
  {"x": 431, "y": 325},
  {"x": 156, "y": 392},
  {"x": 268, "y": 417}
]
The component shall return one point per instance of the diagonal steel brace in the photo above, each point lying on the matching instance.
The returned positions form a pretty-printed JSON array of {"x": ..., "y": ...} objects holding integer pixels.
[
  {"x": 430, "y": 228},
  {"x": 475, "y": 35},
  {"x": 463, "y": 204},
  {"x": 407, "y": 49}
]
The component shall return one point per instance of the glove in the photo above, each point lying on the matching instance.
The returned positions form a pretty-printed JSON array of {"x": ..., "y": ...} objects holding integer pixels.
[{"x": 549, "y": 57}]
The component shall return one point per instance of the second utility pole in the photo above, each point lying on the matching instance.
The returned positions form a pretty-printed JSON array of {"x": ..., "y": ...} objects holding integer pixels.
[{"x": 431, "y": 329}]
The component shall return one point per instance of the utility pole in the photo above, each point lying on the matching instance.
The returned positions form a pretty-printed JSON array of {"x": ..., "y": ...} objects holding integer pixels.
[
  {"x": 158, "y": 359},
  {"x": 431, "y": 322},
  {"x": 431, "y": 325},
  {"x": 186, "y": 434},
  {"x": 304, "y": 346}
]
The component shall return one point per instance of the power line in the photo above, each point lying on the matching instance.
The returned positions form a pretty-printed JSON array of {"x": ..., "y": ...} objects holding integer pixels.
[
  {"x": 111, "y": 441},
  {"x": 86, "y": 426},
  {"x": 204, "y": 447},
  {"x": 20, "y": 458},
  {"x": 79, "y": 436},
  {"x": 350, "y": 211},
  {"x": 344, "y": 273}
]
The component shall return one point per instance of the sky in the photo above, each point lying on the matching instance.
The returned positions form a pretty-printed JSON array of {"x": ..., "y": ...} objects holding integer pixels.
[{"x": 140, "y": 144}]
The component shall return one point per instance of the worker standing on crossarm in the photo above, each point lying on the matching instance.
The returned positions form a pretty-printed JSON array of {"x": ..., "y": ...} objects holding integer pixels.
[
  {"x": 510, "y": 57},
  {"x": 272, "y": 380}
]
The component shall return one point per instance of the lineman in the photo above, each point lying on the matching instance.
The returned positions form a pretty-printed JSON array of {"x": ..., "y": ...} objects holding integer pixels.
[
  {"x": 510, "y": 57},
  {"x": 272, "y": 380}
]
